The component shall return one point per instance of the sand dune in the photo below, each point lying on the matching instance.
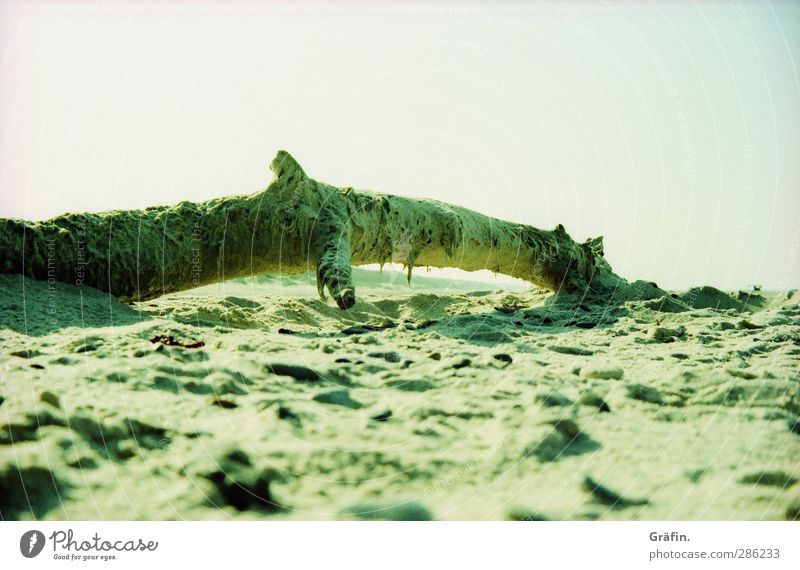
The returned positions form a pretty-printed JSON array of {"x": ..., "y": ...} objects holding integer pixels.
[{"x": 254, "y": 399}]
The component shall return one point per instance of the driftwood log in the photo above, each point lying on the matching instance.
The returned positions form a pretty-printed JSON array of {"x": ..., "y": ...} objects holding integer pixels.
[{"x": 296, "y": 225}]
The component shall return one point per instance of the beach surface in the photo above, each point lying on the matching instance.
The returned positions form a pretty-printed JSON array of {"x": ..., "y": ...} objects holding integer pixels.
[{"x": 254, "y": 399}]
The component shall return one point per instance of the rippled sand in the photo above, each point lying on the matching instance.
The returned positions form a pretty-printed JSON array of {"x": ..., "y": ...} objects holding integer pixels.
[{"x": 255, "y": 399}]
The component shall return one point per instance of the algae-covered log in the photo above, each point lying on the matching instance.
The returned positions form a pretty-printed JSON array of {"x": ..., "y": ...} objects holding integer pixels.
[{"x": 296, "y": 225}]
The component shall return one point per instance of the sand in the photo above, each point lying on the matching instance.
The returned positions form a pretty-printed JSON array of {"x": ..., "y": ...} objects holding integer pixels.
[{"x": 253, "y": 399}]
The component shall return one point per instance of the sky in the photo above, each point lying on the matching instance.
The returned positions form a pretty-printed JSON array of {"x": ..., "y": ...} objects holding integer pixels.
[{"x": 670, "y": 128}]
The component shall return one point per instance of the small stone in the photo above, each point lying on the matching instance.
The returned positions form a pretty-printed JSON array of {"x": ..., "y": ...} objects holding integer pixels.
[
  {"x": 502, "y": 357},
  {"x": 435, "y": 356},
  {"x": 606, "y": 496},
  {"x": 301, "y": 373},
  {"x": 284, "y": 413},
  {"x": 50, "y": 398},
  {"x": 573, "y": 350},
  {"x": 742, "y": 373},
  {"x": 463, "y": 363},
  {"x": 770, "y": 479},
  {"x": 645, "y": 394},
  {"x": 338, "y": 398},
  {"x": 383, "y": 416},
  {"x": 390, "y": 356},
  {"x": 665, "y": 334},
  {"x": 747, "y": 325}
]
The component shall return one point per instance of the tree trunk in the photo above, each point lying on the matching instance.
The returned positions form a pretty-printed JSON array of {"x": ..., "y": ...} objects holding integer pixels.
[{"x": 296, "y": 225}]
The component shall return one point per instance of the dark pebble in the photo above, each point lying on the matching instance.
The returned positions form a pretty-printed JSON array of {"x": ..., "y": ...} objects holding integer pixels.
[
  {"x": 390, "y": 356},
  {"x": 502, "y": 357},
  {"x": 462, "y": 363},
  {"x": 383, "y": 416},
  {"x": 301, "y": 373},
  {"x": 285, "y": 331},
  {"x": 285, "y": 413},
  {"x": 606, "y": 496}
]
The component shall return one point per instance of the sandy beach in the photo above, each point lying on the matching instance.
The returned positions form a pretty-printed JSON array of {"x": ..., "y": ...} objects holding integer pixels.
[{"x": 448, "y": 400}]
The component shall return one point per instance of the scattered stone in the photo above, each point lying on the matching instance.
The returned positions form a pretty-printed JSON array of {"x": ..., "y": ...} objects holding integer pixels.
[
  {"x": 383, "y": 416},
  {"x": 770, "y": 479},
  {"x": 338, "y": 398},
  {"x": 224, "y": 403},
  {"x": 388, "y": 511},
  {"x": 390, "y": 356},
  {"x": 574, "y": 350},
  {"x": 585, "y": 325},
  {"x": 747, "y": 325},
  {"x": 565, "y": 439},
  {"x": 50, "y": 398},
  {"x": 595, "y": 401},
  {"x": 664, "y": 334},
  {"x": 25, "y": 353},
  {"x": 463, "y": 363},
  {"x": 502, "y": 357},
  {"x": 606, "y": 496},
  {"x": 284, "y": 413},
  {"x": 794, "y": 425},
  {"x": 645, "y": 394},
  {"x": 301, "y": 373},
  {"x": 435, "y": 355},
  {"x": 285, "y": 331},
  {"x": 602, "y": 372}
]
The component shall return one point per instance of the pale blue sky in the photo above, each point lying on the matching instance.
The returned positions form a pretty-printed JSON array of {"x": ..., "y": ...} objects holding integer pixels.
[{"x": 671, "y": 128}]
